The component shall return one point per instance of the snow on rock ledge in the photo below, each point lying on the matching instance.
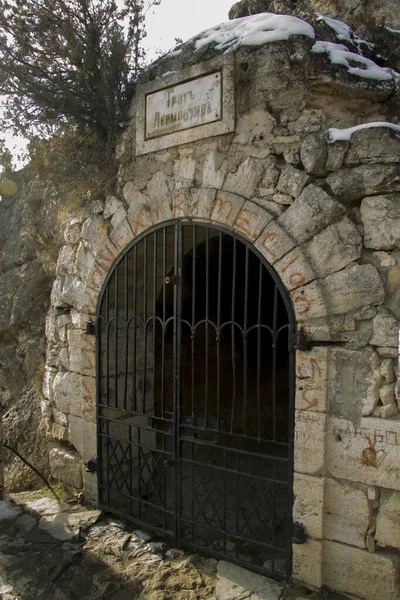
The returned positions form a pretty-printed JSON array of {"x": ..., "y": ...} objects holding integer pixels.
[
  {"x": 345, "y": 135},
  {"x": 254, "y": 31},
  {"x": 340, "y": 55}
]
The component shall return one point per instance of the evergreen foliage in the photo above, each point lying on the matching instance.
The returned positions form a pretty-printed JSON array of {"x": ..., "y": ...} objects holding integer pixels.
[{"x": 72, "y": 61}]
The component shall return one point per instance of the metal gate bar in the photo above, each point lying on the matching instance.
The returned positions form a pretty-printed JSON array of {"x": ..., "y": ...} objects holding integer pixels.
[{"x": 195, "y": 394}]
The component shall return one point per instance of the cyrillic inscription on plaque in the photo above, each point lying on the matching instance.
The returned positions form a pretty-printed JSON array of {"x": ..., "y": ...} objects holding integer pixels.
[{"x": 183, "y": 106}]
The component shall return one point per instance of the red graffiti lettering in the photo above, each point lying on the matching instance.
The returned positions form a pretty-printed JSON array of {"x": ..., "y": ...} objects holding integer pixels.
[
  {"x": 269, "y": 236},
  {"x": 244, "y": 224},
  {"x": 222, "y": 204}
]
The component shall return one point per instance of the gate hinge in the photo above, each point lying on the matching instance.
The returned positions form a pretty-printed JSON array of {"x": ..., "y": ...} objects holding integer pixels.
[
  {"x": 90, "y": 328},
  {"x": 300, "y": 341},
  {"x": 299, "y": 535}
]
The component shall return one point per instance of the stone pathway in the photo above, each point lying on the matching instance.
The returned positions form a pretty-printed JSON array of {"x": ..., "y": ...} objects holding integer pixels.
[{"x": 61, "y": 551}]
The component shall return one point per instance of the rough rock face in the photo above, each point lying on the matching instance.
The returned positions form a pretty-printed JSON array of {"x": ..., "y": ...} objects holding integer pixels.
[
  {"x": 384, "y": 12},
  {"x": 376, "y": 21},
  {"x": 28, "y": 250}
]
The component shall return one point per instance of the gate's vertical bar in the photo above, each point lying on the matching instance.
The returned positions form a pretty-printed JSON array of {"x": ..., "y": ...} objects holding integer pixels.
[
  {"x": 144, "y": 371},
  {"x": 107, "y": 349},
  {"x": 193, "y": 324},
  {"x": 126, "y": 330},
  {"x": 179, "y": 238},
  {"x": 233, "y": 346},
  {"x": 99, "y": 441},
  {"x": 245, "y": 333},
  {"x": 274, "y": 344},
  {"x": 135, "y": 325},
  {"x": 291, "y": 416},
  {"x": 116, "y": 317},
  {"x": 259, "y": 330},
  {"x": 206, "y": 322},
  {"x": 154, "y": 319},
  {"x": 219, "y": 292},
  {"x": 164, "y": 275}
]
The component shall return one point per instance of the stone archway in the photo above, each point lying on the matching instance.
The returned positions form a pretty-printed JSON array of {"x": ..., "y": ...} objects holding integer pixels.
[{"x": 195, "y": 378}]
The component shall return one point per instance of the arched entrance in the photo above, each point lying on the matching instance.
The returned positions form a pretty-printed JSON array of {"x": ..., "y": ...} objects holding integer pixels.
[{"x": 195, "y": 394}]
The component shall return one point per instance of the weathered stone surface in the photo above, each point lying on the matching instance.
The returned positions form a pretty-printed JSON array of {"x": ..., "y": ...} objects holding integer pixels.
[
  {"x": 307, "y": 562},
  {"x": 72, "y": 231},
  {"x": 352, "y": 288},
  {"x": 215, "y": 170},
  {"x": 201, "y": 203},
  {"x": 336, "y": 154},
  {"x": 386, "y": 394},
  {"x": 352, "y": 184},
  {"x": 139, "y": 215},
  {"x": 235, "y": 583},
  {"x": 246, "y": 179},
  {"x": 47, "y": 506},
  {"x": 309, "y": 446},
  {"x": 373, "y": 145},
  {"x": 367, "y": 451},
  {"x": 121, "y": 234},
  {"x": 66, "y": 259},
  {"x": 59, "y": 432},
  {"x": 227, "y": 207},
  {"x": 254, "y": 125},
  {"x": 387, "y": 369},
  {"x": 292, "y": 181},
  {"x": 67, "y": 291},
  {"x": 309, "y": 503},
  {"x": 294, "y": 269},
  {"x": 309, "y": 302},
  {"x": 180, "y": 202},
  {"x": 66, "y": 466},
  {"x": 112, "y": 206},
  {"x": 381, "y": 218},
  {"x": 65, "y": 526},
  {"x": 67, "y": 392},
  {"x": 274, "y": 242},
  {"x": 251, "y": 220},
  {"x": 388, "y": 519},
  {"x": 270, "y": 179},
  {"x": 346, "y": 512},
  {"x": 313, "y": 154},
  {"x": 84, "y": 261},
  {"x": 184, "y": 170},
  {"x": 94, "y": 232},
  {"x": 312, "y": 379},
  {"x": 355, "y": 382},
  {"x": 310, "y": 213},
  {"x": 81, "y": 352},
  {"x": 334, "y": 247},
  {"x": 284, "y": 199},
  {"x": 385, "y": 330},
  {"x": 345, "y": 563}
]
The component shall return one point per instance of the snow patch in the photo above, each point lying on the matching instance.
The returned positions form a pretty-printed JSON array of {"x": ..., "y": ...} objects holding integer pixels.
[
  {"x": 344, "y": 135},
  {"x": 343, "y": 31},
  {"x": 340, "y": 55},
  {"x": 253, "y": 31},
  {"x": 392, "y": 30}
]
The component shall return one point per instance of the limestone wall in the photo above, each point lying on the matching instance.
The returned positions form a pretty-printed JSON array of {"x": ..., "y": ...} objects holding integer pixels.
[{"x": 326, "y": 215}]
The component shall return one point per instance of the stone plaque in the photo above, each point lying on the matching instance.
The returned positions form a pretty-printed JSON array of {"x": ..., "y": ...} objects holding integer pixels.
[
  {"x": 189, "y": 104},
  {"x": 184, "y": 106}
]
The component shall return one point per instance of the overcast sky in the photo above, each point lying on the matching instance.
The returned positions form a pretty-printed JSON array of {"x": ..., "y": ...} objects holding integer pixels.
[{"x": 182, "y": 19}]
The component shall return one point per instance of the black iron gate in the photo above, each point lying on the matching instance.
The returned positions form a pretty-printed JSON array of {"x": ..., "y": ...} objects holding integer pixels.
[{"x": 195, "y": 388}]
